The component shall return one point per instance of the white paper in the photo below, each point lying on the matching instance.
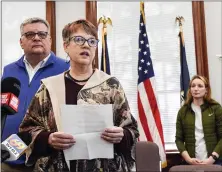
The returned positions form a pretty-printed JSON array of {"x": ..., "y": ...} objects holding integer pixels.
[{"x": 86, "y": 123}]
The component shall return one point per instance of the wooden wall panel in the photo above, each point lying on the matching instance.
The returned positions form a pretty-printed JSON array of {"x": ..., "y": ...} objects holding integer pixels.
[
  {"x": 91, "y": 15},
  {"x": 200, "y": 38},
  {"x": 51, "y": 18}
]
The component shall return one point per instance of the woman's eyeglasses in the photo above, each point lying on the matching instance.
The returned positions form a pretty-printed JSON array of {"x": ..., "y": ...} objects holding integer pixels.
[
  {"x": 31, "y": 35},
  {"x": 79, "y": 40}
]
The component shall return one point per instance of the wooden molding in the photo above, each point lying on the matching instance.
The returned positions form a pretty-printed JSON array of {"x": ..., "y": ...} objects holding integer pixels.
[
  {"x": 51, "y": 18},
  {"x": 91, "y": 15},
  {"x": 200, "y": 38},
  {"x": 91, "y": 12}
]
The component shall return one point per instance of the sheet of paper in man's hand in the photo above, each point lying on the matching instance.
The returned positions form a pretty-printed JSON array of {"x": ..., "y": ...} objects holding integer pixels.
[{"x": 86, "y": 123}]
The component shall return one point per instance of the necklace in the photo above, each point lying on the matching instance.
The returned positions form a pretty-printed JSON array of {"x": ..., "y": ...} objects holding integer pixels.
[{"x": 75, "y": 80}]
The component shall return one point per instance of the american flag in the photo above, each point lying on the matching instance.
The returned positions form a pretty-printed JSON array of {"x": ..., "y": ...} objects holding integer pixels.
[{"x": 149, "y": 115}]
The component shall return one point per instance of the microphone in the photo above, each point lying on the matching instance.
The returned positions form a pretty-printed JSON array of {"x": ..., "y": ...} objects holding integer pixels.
[
  {"x": 14, "y": 146},
  {"x": 10, "y": 91}
]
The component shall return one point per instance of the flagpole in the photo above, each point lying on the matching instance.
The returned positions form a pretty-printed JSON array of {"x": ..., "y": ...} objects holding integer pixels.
[
  {"x": 103, "y": 44},
  {"x": 184, "y": 76},
  {"x": 180, "y": 19},
  {"x": 142, "y": 11}
]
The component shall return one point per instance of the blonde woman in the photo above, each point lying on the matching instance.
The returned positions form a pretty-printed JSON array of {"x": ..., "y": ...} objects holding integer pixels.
[{"x": 199, "y": 125}]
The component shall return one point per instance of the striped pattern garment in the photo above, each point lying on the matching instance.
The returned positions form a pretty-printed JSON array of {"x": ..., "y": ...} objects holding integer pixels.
[{"x": 150, "y": 126}]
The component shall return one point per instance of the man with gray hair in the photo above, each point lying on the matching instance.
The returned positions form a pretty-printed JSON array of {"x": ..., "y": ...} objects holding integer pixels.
[{"x": 38, "y": 62}]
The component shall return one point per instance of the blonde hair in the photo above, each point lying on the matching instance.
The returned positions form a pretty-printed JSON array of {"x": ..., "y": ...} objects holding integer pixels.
[{"x": 207, "y": 96}]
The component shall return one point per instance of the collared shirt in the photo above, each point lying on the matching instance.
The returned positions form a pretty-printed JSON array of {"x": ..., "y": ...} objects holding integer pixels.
[
  {"x": 200, "y": 144},
  {"x": 32, "y": 71}
]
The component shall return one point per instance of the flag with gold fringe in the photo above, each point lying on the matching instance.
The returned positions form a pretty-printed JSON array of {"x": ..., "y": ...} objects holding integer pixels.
[
  {"x": 105, "y": 64},
  {"x": 150, "y": 126},
  {"x": 184, "y": 75}
]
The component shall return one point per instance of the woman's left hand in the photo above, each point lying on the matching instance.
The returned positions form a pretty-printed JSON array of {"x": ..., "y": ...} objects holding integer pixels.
[
  {"x": 113, "y": 134},
  {"x": 209, "y": 161}
]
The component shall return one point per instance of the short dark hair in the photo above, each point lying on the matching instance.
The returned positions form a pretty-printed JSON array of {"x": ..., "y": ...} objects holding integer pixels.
[
  {"x": 71, "y": 28},
  {"x": 34, "y": 20}
]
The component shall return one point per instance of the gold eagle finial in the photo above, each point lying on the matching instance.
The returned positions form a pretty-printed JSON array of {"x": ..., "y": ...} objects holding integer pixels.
[
  {"x": 180, "y": 20},
  {"x": 105, "y": 21}
]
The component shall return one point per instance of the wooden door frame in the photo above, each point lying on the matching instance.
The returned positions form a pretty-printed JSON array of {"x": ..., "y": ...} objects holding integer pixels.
[
  {"x": 200, "y": 38},
  {"x": 91, "y": 15},
  {"x": 51, "y": 18}
]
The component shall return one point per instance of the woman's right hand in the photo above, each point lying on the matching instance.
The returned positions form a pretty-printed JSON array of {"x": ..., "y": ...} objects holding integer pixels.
[
  {"x": 61, "y": 141},
  {"x": 189, "y": 160},
  {"x": 194, "y": 161}
]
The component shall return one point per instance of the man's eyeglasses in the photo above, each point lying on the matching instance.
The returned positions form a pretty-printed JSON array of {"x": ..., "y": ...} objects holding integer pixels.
[
  {"x": 79, "y": 40},
  {"x": 31, "y": 35}
]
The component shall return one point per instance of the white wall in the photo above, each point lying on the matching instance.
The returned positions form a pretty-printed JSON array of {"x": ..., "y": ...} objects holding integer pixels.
[
  {"x": 66, "y": 12},
  {"x": 214, "y": 47}
]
